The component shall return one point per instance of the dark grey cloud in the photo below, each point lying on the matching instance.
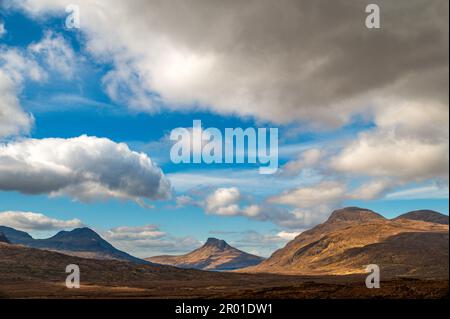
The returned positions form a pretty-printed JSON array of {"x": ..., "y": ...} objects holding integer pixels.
[{"x": 312, "y": 61}]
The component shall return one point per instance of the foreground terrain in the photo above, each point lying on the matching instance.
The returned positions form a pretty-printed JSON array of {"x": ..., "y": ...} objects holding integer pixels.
[
  {"x": 32, "y": 273},
  {"x": 327, "y": 261}
]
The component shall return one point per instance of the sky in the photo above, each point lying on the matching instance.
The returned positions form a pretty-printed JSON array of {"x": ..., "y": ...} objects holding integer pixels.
[{"x": 86, "y": 115}]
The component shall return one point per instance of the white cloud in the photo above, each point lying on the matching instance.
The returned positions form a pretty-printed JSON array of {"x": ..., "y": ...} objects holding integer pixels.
[
  {"x": 307, "y": 159},
  {"x": 30, "y": 221},
  {"x": 15, "y": 66},
  {"x": 223, "y": 201},
  {"x": 371, "y": 190},
  {"x": 262, "y": 244},
  {"x": 409, "y": 143},
  {"x": 18, "y": 65},
  {"x": 311, "y": 196},
  {"x": 382, "y": 155},
  {"x": 288, "y": 235},
  {"x": 188, "y": 180},
  {"x": 312, "y": 203},
  {"x": 2, "y": 29},
  {"x": 424, "y": 192},
  {"x": 135, "y": 233},
  {"x": 184, "y": 200},
  {"x": 227, "y": 202},
  {"x": 84, "y": 168},
  {"x": 56, "y": 52},
  {"x": 231, "y": 202},
  {"x": 148, "y": 240},
  {"x": 13, "y": 120}
]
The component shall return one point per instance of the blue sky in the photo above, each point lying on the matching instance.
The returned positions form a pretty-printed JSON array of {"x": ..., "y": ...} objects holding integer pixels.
[{"x": 68, "y": 106}]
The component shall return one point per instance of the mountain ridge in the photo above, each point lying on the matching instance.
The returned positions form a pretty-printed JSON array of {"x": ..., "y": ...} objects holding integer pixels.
[
  {"x": 426, "y": 215},
  {"x": 80, "y": 242},
  {"x": 215, "y": 254},
  {"x": 344, "y": 244}
]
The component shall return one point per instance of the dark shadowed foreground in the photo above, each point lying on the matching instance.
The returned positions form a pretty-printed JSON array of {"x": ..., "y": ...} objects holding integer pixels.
[{"x": 30, "y": 273}]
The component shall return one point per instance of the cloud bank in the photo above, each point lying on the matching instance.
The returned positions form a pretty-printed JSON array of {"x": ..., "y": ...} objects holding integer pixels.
[
  {"x": 85, "y": 168},
  {"x": 30, "y": 221},
  {"x": 259, "y": 59},
  {"x": 51, "y": 54}
]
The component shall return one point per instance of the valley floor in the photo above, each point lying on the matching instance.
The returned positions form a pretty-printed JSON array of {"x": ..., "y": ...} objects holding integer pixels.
[
  {"x": 233, "y": 286},
  {"x": 32, "y": 273}
]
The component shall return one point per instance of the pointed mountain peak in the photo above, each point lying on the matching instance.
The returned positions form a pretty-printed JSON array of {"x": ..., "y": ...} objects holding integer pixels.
[
  {"x": 215, "y": 254},
  {"x": 3, "y": 238},
  {"x": 218, "y": 243},
  {"x": 426, "y": 216},
  {"x": 353, "y": 214}
]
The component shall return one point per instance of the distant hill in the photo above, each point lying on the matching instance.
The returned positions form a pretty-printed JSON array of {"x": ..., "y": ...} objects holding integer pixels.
[
  {"x": 215, "y": 254},
  {"x": 3, "y": 238},
  {"x": 16, "y": 236},
  {"x": 81, "y": 242},
  {"x": 410, "y": 245},
  {"x": 426, "y": 216}
]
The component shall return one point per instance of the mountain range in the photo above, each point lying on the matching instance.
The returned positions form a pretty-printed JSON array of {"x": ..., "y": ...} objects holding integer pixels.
[
  {"x": 81, "y": 242},
  {"x": 413, "y": 244},
  {"x": 215, "y": 254},
  {"x": 36, "y": 273}
]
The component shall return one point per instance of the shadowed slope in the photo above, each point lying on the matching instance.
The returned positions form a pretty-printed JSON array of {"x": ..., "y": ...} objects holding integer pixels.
[
  {"x": 82, "y": 242},
  {"x": 352, "y": 238},
  {"x": 426, "y": 216}
]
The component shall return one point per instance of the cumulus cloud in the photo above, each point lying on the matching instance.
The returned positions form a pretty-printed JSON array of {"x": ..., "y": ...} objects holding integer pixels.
[
  {"x": 56, "y": 53},
  {"x": 18, "y": 65},
  {"x": 409, "y": 143},
  {"x": 311, "y": 196},
  {"x": 184, "y": 200},
  {"x": 15, "y": 66},
  {"x": 223, "y": 201},
  {"x": 312, "y": 204},
  {"x": 258, "y": 58},
  {"x": 372, "y": 189},
  {"x": 231, "y": 202},
  {"x": 227, "y": 202},
  {"x": 262, "y": 244},
  {"x": 85, "y": 168},
  {"x": 135, "y": 233},
  {"x": 30, "y": 221},
  {"x": 13, "y": 120},
  {"x": 307, "y": 159},
  {"x": 423, "y": 192},
  {"x": 149, "y": 240},
  {"x": 288, "y": 235}
]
